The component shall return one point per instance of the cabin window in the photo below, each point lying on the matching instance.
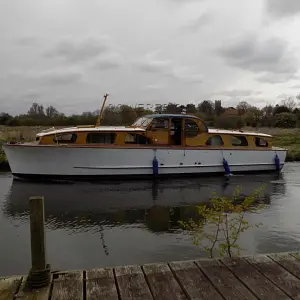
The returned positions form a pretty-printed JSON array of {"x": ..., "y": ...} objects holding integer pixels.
[
  {"x": 133, "y": 138},
  {"x": 260, "y": 142},
  {"x": 191, "y": 128},
  {"x": 239, "y": 140},
  {"x": 65, "y": 138},
  {"x": 160, "y": 123},
  {"x": 215, "y": 140},
  {"x": 101, "y": 138}
]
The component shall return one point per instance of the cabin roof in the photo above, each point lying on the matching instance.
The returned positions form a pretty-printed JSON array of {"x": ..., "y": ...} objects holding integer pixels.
[
  {"x": 223, "y": 131},
  {"x": 171, "y": 116},
  {"x": 90, "y": 129}
]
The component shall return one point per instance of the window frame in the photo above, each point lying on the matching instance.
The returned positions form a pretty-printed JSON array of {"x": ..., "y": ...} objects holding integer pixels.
[
  {"x": 72, "y": 140},
  {"x": 113, "y": 136},
  {"x": 135, "y": 142},
  {"x": 186, "y": 132},
  {"x": 239, "y": 137},
  {"x": 212, "y": 136},
  {"x": 260, "y": 138},
  {"x": 160, "y": 128}
]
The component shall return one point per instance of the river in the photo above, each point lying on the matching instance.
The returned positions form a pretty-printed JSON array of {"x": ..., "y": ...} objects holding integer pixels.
[{"x": 92, "y": 225}]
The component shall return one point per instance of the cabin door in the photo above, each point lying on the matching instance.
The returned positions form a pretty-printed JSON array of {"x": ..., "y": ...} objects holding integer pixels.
[{"x": 176, "y": 131}]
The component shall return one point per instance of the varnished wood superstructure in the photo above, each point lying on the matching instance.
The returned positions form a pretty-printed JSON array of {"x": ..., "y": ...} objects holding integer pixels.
[{"x": 167, "y": 130}]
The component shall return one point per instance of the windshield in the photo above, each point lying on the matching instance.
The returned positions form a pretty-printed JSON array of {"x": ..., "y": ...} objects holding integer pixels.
[{"x": 142, "y": 122}]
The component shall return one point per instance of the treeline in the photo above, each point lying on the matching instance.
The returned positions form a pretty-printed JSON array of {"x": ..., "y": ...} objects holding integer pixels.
[{"x": 285, "y": 115}]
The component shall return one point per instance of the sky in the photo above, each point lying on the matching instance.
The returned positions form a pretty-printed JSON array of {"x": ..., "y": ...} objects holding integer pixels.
[{"x": 69, "y": 53}]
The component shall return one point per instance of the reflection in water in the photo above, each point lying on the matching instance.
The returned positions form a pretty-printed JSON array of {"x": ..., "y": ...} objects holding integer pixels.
[
  {"x": 115, "y": 223},
  {"x": 157, "y": 204}
]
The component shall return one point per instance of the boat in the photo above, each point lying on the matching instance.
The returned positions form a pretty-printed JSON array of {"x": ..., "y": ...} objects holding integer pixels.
[{"x": 155, "y": 145}]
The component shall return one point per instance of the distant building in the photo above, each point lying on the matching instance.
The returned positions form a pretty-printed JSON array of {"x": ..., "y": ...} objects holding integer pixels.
[{"x": 230, "y": 111}]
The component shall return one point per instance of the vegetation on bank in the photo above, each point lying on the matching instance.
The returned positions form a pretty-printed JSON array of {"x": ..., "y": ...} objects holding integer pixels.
[{"x": 221, "y": 222}]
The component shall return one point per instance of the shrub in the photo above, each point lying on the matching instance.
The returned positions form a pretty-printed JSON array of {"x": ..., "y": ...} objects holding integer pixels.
[{"x": 229, "y": 122}]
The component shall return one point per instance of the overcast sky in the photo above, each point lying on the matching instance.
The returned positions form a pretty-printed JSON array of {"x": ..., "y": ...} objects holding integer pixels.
[{"x": 68, "y": 53}]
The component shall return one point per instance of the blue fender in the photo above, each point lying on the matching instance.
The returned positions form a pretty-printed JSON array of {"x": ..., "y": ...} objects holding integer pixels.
[
  {"x": 155, "y": 166},
  {"x": 226, "y": 167},
  {"x": 277, "y": 162}
]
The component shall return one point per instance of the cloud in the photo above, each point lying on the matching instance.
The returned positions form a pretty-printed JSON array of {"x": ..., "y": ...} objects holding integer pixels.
[
  {"x": 111, "y": 61},
  {"x": 58, "y": 76},
  {"x": 27, "y": 41},
  {"x": 283, "y": 8},
  {"x": 150, "y": 64},
  {"x": 238, "y": 93},
  {"x": 72, "y": 50},
  {"x": 152, "y": 87},
  {"x": 269, "y": 77},
  {"x": 270, "y": 57},
  {"x": 296, "y": 86},
  {"x": 198, "y": 23}
]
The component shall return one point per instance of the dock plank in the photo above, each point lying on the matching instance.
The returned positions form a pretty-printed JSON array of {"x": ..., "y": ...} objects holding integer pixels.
[
  {"x": 193, "y": 281},
  {"x": 26, "y": 294},
  {"x": 132, "y": 283},
  {"x": 277, "y": 274},
  {"x": 262, "y": 287},
  {"x": 68, "y": 286},
  {"x": 289, "y": 262},
  {"x": 100, "y": 284},
  {"x": 226, "y": 283},
  {"x": 162, "y": 283},
  {"x": 9, "y": 286}
]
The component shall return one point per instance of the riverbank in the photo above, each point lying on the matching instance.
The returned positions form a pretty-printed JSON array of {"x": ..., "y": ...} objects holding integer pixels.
[{"x": 286, "y": 138}]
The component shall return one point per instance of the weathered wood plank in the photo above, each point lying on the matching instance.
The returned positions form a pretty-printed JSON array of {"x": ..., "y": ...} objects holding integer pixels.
[
  {"x": 27, "y": 294},
  {"x": 132, "y": 283},
  {"x": 254, "y": 280},
  {"x": 194, "y": 282},
  {"x": 162, "y": 283},
  {"x": 288, "y": 261},
  {"x": 9, "y": 287},
  {"x": 68, "y": 286},
  {"x": 277, "y": 274},
  {"x": 100, "y": 284},
  {"x": 227, "y": 284}
]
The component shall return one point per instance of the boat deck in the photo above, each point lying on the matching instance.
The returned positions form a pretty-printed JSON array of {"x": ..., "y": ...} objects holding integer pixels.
[{"x": 272, "y": 276}]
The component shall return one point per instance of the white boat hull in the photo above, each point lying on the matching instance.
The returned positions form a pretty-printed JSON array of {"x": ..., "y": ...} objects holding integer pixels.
[{"x": 64, "y": 161}]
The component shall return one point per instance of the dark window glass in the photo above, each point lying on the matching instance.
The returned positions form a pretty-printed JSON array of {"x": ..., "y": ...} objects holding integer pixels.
[
  {"x": 259, "y": 142},
  {"x": 101, "y": 138},
  {"x": 132, "y": 138},
  {"x": 191, "y": 128},
  {"x": 65, "y": 138},
  {"x": 215, "y": 140},
  {"x": 160, "y": 123},
  {"x": 239, "y": 140}
]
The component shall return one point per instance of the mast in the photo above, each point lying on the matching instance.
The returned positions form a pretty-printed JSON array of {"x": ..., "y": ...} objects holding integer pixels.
[{"x": 101, "y": 111}]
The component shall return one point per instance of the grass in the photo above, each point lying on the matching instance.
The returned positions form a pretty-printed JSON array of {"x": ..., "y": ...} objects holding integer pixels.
[{"x": 285, "y": 138}]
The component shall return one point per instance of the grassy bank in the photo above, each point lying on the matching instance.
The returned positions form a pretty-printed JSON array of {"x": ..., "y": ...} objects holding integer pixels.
[{"x": 286, "y": 138}]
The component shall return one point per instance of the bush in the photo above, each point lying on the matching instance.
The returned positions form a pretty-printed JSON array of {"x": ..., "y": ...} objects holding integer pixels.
[
  {"x": 229, "y": 122},
  {"x": 285, "y": 120}
]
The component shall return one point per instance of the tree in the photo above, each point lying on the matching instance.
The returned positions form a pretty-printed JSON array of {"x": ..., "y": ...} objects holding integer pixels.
[
  {"x": 281, "y": 109},
  {"x": 229, "y": 122},
  {"x": 290, "y": 103},
  {"x": 285, "y": 120},
  {"x": 253, "y": 116},
  {"x": 206, "y": 107},
  {"x": 51, "y": 112},
  {"x": 191, "y": 108},
  {"x": 221, "y": 222},
  {"x": 243, "y": 107},
  {"x": 36, "y": 110}
]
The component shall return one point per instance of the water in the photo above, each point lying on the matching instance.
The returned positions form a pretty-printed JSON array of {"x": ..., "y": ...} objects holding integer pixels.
[{"x": 93, "y": 225}]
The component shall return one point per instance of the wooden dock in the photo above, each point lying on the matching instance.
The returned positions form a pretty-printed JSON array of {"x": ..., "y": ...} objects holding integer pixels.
[{"x": 272, "y": 276}]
